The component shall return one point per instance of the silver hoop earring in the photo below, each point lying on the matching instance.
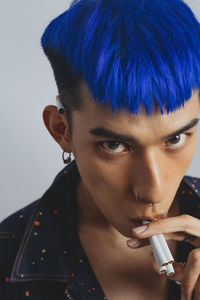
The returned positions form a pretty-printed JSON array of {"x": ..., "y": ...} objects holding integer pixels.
[{"x": 68, "y": 159}]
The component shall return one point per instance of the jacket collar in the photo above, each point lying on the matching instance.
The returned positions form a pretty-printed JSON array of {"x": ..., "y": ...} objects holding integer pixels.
[
  {"x": 44, "y": 252},
  {"x": 193, "y": 183},
  {"x": 50, "y": 247}
]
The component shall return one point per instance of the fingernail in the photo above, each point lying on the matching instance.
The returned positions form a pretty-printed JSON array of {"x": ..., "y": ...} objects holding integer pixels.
[
  {"x": 140, "y": 229},
  {"x": 133, "y": 242}
]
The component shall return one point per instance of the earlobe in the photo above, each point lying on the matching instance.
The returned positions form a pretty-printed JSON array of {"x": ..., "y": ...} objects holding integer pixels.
[{"x": 57, "y": 126}]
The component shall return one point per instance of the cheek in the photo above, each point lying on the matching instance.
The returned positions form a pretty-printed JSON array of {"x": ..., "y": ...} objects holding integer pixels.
[
  {"x": 97, "y": 172},
  {"x": 104, "y": 186},
  {"x": 188, "y": 154},
  {"x": 100, "y": 176},
  {"x": 106, "y": 183}
]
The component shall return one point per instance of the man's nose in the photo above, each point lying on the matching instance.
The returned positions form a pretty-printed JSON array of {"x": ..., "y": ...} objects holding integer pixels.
[{"x": 150, "y": 178}]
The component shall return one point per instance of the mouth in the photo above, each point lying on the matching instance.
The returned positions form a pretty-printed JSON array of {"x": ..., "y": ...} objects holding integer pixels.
[{"x": 138, "y": 221}]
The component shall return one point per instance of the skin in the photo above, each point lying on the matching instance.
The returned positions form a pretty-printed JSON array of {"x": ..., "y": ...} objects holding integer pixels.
[{"x": 113, "y": 173}]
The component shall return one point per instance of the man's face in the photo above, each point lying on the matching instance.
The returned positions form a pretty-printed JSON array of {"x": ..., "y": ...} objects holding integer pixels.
[{"x": 119, "y": 155}]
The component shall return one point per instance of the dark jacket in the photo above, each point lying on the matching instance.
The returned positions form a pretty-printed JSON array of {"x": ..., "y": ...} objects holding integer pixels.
[{"x": 41, "y": 256}]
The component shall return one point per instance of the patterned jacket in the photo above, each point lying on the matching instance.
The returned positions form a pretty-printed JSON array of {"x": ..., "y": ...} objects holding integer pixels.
[{"x": 41, "y": 257}]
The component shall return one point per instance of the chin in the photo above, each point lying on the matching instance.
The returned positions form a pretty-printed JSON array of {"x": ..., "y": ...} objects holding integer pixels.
[{"x": 126, "y": 232}]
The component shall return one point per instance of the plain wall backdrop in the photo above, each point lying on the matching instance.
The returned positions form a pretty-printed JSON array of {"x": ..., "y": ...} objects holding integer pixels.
[{"x": 29, "y": 157}]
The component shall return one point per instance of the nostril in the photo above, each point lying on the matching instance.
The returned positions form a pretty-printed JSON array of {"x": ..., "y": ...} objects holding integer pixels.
[{"x": 149, "y": 202}]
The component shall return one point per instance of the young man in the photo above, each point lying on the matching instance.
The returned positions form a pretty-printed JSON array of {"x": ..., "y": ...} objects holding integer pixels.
[{"x": 128, "y": 79}]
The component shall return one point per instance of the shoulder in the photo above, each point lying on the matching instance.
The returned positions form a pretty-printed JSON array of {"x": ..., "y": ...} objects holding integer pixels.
[
  {"x": 12, "y": 230},
  {"x": 15, "y": 224},
  {"x": 193, "y": 183},
  {"x": 189, "y": 196},
  {"x": 15, "y": 228}
]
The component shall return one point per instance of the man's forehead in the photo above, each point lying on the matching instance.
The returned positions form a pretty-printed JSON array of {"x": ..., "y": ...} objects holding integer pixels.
[{"x": 95, "y": 120}]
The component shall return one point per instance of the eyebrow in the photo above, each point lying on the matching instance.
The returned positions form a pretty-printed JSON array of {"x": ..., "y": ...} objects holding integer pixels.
[{"x": 103, "y": 132}]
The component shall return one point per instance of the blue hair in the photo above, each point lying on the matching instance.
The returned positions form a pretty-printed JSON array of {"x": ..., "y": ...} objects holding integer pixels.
[{"x": 128, "y": 52}]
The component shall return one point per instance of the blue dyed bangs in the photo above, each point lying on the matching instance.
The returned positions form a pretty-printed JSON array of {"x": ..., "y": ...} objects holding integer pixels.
[{"x": 130, "y": 53}]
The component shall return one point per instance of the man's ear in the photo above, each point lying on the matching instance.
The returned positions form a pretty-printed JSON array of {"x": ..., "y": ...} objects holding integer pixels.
[{"x": 57, "y": 126}]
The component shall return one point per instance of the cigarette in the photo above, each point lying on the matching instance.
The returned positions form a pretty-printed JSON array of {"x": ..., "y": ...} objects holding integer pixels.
[
  {"x": 165, "y": 248},
  {"x": 162, "y": 254},
  {"x": 159, "y": 255},
  {"x": 60, "y": 107},
  {"x": 170, "y": 270},
  {"x": 163, "y": 269},
  {"x": 167, "y": 269}
]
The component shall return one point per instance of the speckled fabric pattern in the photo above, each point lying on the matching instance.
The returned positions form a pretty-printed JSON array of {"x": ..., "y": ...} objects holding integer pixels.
[{"x": 41, "y": 257}]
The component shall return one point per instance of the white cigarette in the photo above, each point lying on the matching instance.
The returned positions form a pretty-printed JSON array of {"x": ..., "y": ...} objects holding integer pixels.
[
  {"x": 162, "y": 253},
  {"x": 165, "y": 248},
  {"x": 159, "y": 255},
  {"x": 167, "y": 269},
  {"x": 170, "y": 270},
  {"x": 163, "y": 269},
  {"x": 60, "y": 107}
]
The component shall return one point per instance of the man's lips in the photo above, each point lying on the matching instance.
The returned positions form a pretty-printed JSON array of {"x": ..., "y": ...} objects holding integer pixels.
[{"x": 138, "y": 221}]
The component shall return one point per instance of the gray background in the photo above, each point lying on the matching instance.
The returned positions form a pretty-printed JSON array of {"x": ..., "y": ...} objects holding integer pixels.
[{"x": 29, "y": 157}]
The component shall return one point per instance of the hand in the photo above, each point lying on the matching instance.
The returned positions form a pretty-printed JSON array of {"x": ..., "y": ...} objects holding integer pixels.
[{"x": 176, "y": 228}]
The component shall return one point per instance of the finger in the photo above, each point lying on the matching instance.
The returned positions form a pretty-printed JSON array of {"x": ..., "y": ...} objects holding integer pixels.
[
  {"x": 191, "y": 274},
  {"x": 137, "y": 243},
  {"x": 180, "y": 224},
  {"x": 196, "y": 292}
]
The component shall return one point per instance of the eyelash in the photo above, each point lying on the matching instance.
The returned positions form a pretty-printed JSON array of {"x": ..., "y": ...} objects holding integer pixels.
[{"x": 128, "y": 148}]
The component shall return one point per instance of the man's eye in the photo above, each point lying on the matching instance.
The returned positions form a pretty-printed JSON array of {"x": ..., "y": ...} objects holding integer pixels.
[
  {"x": 113, "y": 146},
  {"x": 177, "y": 141}
]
